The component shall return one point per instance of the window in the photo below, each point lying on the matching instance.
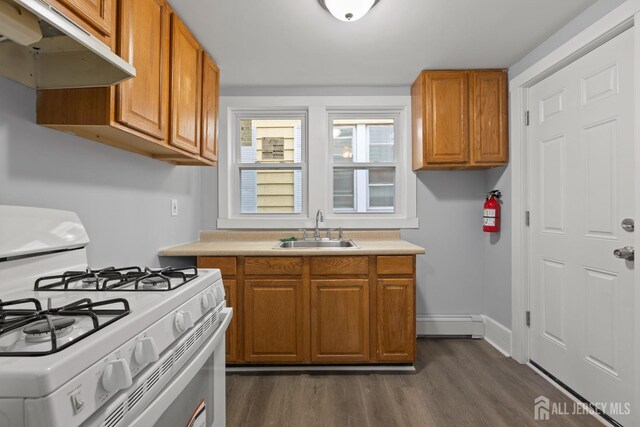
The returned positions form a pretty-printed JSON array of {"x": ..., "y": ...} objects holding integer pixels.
[
  {"x": 270, "y": 167},
  {"x": 283, "y": 158},
  {"x": 363, "y": 155}
]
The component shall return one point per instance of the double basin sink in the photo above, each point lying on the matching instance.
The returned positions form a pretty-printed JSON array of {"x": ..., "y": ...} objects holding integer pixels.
[{"x": 317, "y": 244}]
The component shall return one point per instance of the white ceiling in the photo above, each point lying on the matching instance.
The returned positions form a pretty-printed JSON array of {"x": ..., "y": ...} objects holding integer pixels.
[{"x": 297, "y": 43}]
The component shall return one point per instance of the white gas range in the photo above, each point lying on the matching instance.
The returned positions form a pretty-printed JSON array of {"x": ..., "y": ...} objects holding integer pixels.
[{"x": 106, "y": 347}]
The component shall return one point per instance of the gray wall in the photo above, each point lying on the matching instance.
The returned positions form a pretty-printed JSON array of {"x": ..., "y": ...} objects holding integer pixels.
[
  {"x": 450, "y": 277},
  {"x": 122, "y": 198},
  {"x": 497, "y": 253}
]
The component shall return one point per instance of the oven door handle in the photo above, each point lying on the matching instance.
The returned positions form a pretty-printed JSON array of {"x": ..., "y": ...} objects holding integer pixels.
[{"x": 179, "y": 382}]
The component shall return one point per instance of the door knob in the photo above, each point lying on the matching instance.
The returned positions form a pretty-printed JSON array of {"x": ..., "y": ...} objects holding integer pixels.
[{"x": 624, "y": 253}]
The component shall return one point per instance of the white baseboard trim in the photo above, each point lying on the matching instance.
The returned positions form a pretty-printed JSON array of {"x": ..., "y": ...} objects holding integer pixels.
[
  {"x": 472, "y": 325},
  {"x": 497, "y": 335}
]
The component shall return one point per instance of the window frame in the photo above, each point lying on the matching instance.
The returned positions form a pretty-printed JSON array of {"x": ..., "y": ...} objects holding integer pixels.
[
  {"x": 342, "y": 114},
  {"x": 250, "y": 114},
  {"x": 317, "y": 187}
]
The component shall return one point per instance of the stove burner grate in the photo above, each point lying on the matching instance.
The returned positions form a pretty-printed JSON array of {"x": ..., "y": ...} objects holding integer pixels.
[
  {"x": 118, "y": 279},
  {"x": 41, "y": 325}
]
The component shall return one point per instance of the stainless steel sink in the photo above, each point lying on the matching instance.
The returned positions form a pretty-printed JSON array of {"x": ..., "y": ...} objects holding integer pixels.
[{"x": 316, "y": 244}]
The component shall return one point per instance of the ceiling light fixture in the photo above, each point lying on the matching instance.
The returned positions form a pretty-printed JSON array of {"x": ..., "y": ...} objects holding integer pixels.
[{"x": 348, "y": 10}]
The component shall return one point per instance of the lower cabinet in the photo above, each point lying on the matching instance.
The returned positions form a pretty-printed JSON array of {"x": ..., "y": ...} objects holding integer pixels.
[
  {"x": 340, "y": 320},
  {"x": 396, "y": 322},
  {"x": 319, "y": 310},
  {"x": 274, "y": 318},
  {"x": 231, "y": 291}
]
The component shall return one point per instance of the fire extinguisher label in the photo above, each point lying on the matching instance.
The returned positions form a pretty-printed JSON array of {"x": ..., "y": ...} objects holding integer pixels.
[
  {"x": 490, "y": 213},
  {"x": 489, "y": 222}
]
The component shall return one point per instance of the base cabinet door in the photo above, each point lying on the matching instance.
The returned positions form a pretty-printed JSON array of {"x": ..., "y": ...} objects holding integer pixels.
[
  {"x": 231, "y": 291},
  {"x": 340, "y": 321},
  {"x": 274, "y": 314},
  {"x": 396, "y": 333}
]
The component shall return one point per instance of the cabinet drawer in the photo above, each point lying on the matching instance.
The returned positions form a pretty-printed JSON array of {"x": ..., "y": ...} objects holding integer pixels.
[
  {"x": 226, "y": 264},
  {"x": 273, "y": 266},
  {"x": 339, "y": 265},
  {"x": 390, "y": 265}
]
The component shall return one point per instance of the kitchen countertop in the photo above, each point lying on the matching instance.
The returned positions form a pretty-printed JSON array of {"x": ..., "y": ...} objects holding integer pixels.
[{"x": 261, "y": 243}]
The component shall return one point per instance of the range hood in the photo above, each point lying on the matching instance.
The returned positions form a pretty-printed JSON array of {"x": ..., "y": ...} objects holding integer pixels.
[{"x": 43, "y": 49}]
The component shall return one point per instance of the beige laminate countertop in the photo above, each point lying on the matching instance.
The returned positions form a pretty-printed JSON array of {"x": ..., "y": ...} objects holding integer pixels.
[{"x": 261, "y": 243}]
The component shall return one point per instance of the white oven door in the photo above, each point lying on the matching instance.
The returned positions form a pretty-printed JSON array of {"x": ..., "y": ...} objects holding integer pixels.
[{"x": 195, "y": 397}]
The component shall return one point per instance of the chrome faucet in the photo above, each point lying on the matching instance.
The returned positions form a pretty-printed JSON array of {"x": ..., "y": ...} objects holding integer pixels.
[{"x": 319, "y": 218}]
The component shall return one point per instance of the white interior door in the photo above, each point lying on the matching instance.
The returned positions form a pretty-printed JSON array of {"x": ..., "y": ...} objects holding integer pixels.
[{"x": 581, "y": 151}]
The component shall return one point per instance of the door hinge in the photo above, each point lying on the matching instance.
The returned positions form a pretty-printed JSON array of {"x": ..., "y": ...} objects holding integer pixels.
[
  {"x": 528, "y": 318},
  {"x": 527, "y": 218},
  {"x": 526, "y": 118}
]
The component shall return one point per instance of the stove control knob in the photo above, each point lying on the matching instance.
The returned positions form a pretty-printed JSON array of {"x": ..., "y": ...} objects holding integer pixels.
[
  {"x": 116, "y": 376},
  {"x": 183, "y": 321},
  {"x": 146, "y": 351},
  {"x": 208, "y": 301}
]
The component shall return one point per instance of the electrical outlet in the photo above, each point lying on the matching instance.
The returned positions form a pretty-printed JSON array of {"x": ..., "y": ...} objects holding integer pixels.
[{"x": 174, "y": 207}]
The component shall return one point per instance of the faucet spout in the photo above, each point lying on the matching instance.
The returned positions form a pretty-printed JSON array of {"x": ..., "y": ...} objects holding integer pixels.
[{"x": 319, "y": 218}]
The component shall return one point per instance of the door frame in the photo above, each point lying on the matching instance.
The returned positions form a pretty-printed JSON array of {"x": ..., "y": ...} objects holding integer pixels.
[{"x": 606, "y": 28}]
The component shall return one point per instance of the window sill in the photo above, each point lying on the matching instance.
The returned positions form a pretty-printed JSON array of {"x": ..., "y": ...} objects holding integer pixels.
[{"x": 366, "y": 222}]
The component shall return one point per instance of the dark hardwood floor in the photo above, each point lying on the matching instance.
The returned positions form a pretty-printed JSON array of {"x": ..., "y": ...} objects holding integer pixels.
[{"x": 458, "y": 382}]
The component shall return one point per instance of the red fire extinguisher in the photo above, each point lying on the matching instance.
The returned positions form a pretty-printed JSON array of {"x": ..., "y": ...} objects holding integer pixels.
[{"x": 491, "y": 215}]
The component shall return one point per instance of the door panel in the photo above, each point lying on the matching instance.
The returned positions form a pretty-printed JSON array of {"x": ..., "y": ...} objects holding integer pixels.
[
  {"x": 185, "y": 88},
  {"x": 581, "y": 150},
  {"x": 447, "y": 109},
  {"x": 340, "y": 320},
  {"x": 144, "y": 42}
]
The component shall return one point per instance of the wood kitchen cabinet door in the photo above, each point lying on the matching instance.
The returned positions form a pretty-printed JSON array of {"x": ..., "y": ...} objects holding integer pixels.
[
  {"x": 489, "y": 116},
  {"x": 97, "y": 14},
  {"x": 231, "y": 291},
  {"x": 210, "y": 90},
  {"x": 275, "y": 313},
  {"x": 396, "y": 320},
  {"x": 185, "y": 88},
  {"x": 143, "y": 101},
  {"x": 446, "y": 133},
  {"x": 340, "y": 321}
]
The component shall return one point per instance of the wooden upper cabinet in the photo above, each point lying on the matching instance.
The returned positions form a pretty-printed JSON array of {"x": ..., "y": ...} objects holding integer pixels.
[
  {"x": 489, "y": 117},
  {"x": 340, "y": 321},
  {"x": 96, "y": 16},
  {"x": 459, "y": 119},
  {"x": 446, "y": 122},
  {"x": 185, "y": 88},
  {"x": 157, "y": 113},
  {"x": 210, "y": 90},
  {"x": 142, "y": 102}
]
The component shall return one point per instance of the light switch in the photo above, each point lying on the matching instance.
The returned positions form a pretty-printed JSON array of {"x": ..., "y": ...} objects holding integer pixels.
[{"x": 174, "y": 207}]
